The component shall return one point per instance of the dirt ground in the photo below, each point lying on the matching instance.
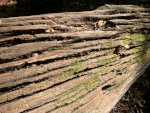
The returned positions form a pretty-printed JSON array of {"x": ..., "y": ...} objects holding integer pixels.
[{"x": 137, "y": 98}]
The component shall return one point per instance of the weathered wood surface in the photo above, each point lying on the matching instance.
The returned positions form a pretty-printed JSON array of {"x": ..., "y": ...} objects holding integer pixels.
[{"x": 68, "y": 63}]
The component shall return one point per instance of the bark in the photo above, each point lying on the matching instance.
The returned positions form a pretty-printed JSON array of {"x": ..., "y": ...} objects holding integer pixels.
[{"x": 76, "y": 62}]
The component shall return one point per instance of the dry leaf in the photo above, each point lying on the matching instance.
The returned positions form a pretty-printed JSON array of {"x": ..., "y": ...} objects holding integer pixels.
[
  {"x": 49, "y": 30},
  {"x": 101, "y": 23}
]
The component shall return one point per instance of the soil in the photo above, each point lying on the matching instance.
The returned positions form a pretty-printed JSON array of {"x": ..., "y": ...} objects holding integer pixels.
[{"x": 137, "y": 98}]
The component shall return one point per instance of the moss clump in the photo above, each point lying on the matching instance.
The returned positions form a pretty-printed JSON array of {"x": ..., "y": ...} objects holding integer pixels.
[
  {"x": 135, "y": 50},
  {"x": 132, "y": 60},
  {"x": 71, "y": 72},
  {"x": 72, "y": 94},
  {"x": 135, "y": 39},
  {"x": 126, "y": 36},
  {"x": 105, "y": 61},
  {"x": 91, "y": 83},
  {"x": 138, "y": 37},
  {"x": 126, "y": 42},
  {"x": 107, "y": 44},
  {"x": 111, "y": 52},
  {"x": 76, "y": 63},
  {"x": 136, "y": 27},
  {"x": 76, "y": 67},
  {"x": 104, "y": 69}
]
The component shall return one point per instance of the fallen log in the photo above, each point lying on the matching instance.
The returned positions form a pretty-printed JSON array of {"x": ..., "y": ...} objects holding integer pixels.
[{"x": 76, "y": 62}]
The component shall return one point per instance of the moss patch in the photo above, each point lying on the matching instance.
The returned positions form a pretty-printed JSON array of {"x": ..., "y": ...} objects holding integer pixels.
[
  {"x": 91, "y": 83},
  {"x": 73, "y": 94},
  {"x": 136, "y": 27},
  {"x": 76, "y": 67},
  {"x": 105, "y": 61}
]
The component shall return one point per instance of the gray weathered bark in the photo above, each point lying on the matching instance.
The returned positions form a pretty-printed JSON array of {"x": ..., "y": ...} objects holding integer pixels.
[{"x": 80, "y": 62}]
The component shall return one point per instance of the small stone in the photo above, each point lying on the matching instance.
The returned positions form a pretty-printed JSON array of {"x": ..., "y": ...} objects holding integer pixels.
[{"x": 34, "y": 54}]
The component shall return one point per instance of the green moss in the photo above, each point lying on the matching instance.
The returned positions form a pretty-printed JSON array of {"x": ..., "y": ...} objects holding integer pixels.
[
  {"x": 97, "y": 72},
  {"x": 107, "y": 44},
  {"x": 132, "y": 60},
  {"x": 78, "y": 87},
  {"x": 135, "y": 50},
  {"x": 111, "y": 52},
  {"x": 148, "y": 53},
  {"x": 105, "y": 61},
  {"x": 130, "y": 26},
  {"x": 71, "y": 72},
  {"x": 140, "y": 59},
  {"x": 136, "y": 38},
  {"x": 104, "y": 69},
  {"x": 76, "y": 67},
  {"x": 136, "y": 27},
  {"x": 140, "y": 26},
  {"x": 76, "y": 63},
  {"x": 126, "y": 42},
  {"x": 91, "y": 83},
  {"x": 87, "y": 86},
  {"x": 126, "y": 36},
  {"x": 65, "y": 100}
]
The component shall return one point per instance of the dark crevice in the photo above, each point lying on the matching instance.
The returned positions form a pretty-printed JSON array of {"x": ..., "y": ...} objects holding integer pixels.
[
  {"x": 33, "y": 93},
  {"x": 76, "y": 108},
  {"x": 21, "y": 32},
  {"x": 96, "y": 38},
  {"x": 25, "y": 56},
  {"x": 94, "y": 19},
  {"x": 54, "y": 85},
  {"x": 7, "y": 89},
  {"x": 38, "y": 106},
  {"x": 12, "y": 88},
  {"x": 18, "y": 86},
  {"x": 49, "y": 70},
  {"x": 17, "y": 41},
  {"x": 82, "y": 96},
  {"x": 107, "y": 86},
  {"x": 25, "y": 65}
]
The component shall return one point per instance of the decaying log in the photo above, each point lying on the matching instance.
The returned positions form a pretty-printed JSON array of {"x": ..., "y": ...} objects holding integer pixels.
[{"x": 75, "y": 62}]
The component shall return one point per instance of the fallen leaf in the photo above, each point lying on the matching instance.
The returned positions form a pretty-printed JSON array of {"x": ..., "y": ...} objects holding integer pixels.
[{"x": 101, "y": 23}]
